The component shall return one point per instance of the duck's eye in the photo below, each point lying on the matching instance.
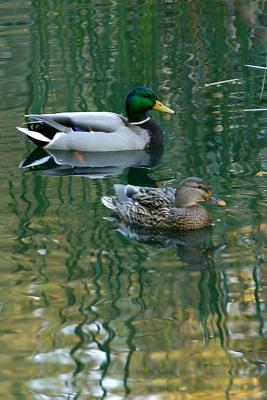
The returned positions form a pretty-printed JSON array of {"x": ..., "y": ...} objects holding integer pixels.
[
  {"x": 201, "y": 187},
  {"x": 147, "y": 96}
]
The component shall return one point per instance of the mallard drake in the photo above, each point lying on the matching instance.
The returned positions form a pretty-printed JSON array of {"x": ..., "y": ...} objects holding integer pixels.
[
  {"x": 100, "y": 131},
  {"x": 164, "y": 208}
]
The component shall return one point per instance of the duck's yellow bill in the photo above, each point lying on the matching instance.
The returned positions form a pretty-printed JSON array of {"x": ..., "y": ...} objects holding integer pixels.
[{"x": 160, "y": 107}]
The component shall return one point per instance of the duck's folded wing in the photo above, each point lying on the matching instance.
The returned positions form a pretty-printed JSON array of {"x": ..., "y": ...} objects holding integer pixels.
[
  {"x": 134, "y": 213},
  {"x": 90, "y": 121},
  {"x": 155, "y": 198},
  {"x": 50, "y": 122}
]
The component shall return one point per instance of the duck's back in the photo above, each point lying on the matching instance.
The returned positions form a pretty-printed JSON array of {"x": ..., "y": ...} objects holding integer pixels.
[
  {"x": 153, "y": 198},
  {"x": 90, "y": 121}
]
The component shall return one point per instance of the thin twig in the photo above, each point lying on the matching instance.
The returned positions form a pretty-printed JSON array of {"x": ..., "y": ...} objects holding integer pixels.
[
  {"x": 221, "y": 82},
  {"x": 254, "y": 109},
  {"x": 255, "y": 66},
  {"x": 264, "y": 77}
]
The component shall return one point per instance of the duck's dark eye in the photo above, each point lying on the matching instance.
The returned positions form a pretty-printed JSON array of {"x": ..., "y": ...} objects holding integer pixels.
[
  {"x": 202, "y": 187},
  {"x": 147, "y": 96}
]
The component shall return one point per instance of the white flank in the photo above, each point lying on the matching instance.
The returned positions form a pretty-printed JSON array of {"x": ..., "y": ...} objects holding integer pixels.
[{"x": 123, "y": 139}]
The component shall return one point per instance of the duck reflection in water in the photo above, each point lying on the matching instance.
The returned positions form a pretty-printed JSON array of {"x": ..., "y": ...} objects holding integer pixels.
[
  {"x": 194, "y": 248},
  {"x": 166, "y": 216},
  {"x": 94, "y": 165}
]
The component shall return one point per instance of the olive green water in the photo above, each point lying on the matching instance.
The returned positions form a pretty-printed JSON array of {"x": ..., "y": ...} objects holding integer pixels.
[{"x": 90, "y": 312}]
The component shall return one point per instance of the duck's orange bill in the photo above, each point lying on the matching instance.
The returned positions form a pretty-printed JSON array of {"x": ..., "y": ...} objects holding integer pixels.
[{"x": 216, "y": 201}]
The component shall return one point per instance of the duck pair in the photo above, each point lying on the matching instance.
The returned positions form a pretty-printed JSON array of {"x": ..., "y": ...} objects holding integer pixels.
[{"x": 161, "y": 208}]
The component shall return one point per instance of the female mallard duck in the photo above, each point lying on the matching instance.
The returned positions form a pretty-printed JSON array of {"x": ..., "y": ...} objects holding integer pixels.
[
  {"x": 101, "y": 131},
  {"x": 164, "y": 208}
]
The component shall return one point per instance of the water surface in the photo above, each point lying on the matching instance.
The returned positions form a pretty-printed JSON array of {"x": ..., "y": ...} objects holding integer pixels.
[{"x": 92, "y": 312}]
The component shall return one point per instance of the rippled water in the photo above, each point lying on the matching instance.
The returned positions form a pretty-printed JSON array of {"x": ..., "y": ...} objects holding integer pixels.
[{"x": 92, "y": 311}]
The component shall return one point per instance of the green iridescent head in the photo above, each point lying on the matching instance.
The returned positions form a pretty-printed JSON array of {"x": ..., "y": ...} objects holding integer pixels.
[{"x": 139, "y": 101}]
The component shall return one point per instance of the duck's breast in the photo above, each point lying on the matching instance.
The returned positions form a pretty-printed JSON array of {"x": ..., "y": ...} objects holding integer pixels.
[{"x": 186, "y": 218}]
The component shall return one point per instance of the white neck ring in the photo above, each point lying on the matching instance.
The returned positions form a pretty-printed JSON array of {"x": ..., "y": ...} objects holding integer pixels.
[{"x": 140, "y": 122}]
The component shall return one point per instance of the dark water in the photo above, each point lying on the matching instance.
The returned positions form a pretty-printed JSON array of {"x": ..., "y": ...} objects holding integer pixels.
[{"x": 90, "y": 312}]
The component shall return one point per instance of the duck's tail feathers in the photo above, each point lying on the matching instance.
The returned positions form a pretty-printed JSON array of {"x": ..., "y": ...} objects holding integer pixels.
[
  {"x": 109, "y": 202},
  {"x": 50, "y": 122},
  {"x": 36, "y": 137},
  {"x": 121, "y": 192}
]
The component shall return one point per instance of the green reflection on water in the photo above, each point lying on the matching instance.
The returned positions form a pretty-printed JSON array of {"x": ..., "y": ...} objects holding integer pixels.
[{"x": 87, "y": 311}]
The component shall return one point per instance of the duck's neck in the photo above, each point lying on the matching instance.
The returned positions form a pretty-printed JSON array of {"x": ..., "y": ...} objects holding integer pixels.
[
  {"x": 136, "y": 117},
  {"x": 140, "y": 122}
]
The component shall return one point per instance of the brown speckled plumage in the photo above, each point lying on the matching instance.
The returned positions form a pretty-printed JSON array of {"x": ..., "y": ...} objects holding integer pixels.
[{"x": 163, "y": 208}]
